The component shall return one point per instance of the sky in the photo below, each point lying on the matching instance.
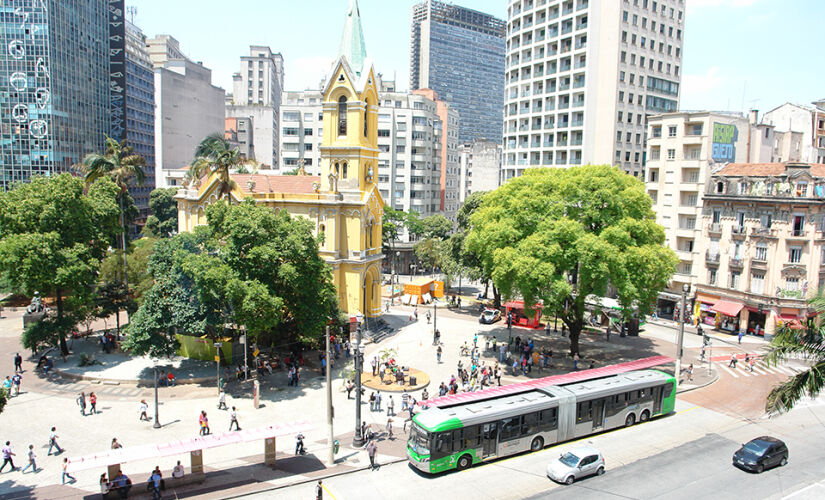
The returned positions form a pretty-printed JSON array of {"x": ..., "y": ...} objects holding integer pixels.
[{"x": 737, "y": 55}]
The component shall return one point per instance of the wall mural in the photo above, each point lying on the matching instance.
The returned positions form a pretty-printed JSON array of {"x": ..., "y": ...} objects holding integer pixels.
[{"x": 724, "y": 142}]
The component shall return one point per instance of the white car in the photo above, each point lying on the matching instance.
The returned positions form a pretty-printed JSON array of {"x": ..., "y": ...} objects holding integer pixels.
[{"x": 577, "y": 463}]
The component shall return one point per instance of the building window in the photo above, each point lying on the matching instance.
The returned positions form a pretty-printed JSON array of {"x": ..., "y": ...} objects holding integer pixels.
[
  {"x": 734, "y": 280},
  {"x": 711, "y": 276},
  {"x": 761, "y": 252},
  {"x": 791, "y": 284},
  {"x": 671, "y": 154},
  {"x": 657, "y": 132},
  {"x": 342, "y": 115},
  {"x": 671, "y": 130},
  {"x": 795, "y": 254},
  {"x": 757, "y": 282}
]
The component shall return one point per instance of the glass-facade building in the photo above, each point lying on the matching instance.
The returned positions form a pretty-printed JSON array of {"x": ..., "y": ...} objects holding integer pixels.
[
  {"x": 459, "y": 53},
  {"x": 54, "y": 85}
]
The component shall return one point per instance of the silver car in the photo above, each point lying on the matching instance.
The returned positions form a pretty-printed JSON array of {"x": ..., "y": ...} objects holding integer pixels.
[{"x": 577, "y": 463}]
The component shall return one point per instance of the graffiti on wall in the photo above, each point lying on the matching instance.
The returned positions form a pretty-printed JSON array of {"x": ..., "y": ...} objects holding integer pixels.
[{"x": 724, "y": 142}]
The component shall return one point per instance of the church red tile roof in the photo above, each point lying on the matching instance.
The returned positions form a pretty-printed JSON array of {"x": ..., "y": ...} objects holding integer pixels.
[
  {"x": 767, "y": 169},
  {"x": 287, "y": 184}
]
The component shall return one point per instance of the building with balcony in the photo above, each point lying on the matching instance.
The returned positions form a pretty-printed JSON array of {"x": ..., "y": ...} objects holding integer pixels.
[
  {"x": 762, "y": 246},
  {"x": 582, "y": 76}
]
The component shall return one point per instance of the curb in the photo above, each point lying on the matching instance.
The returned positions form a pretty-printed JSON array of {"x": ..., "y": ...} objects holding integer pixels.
[
  {"x": 712, "y": 380},
  {"x": 178, "y": 381}
]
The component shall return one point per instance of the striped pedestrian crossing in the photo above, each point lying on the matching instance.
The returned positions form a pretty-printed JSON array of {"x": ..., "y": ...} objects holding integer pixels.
[{"x": 744, "y": 370}]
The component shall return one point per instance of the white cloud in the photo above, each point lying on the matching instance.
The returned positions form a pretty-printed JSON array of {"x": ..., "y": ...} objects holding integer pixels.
[{"x": 701, "y": 84}]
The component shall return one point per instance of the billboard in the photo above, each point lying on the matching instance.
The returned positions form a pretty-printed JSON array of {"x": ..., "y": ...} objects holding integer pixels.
[{"x": 724, "y": 142}]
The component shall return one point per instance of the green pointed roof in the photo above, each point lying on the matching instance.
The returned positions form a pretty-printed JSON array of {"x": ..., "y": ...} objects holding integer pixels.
[{"x": 352, "y": 39}]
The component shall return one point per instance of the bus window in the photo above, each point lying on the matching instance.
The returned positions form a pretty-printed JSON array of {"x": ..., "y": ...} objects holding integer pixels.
[
  {"x": 530, "y": 425},
  {"x": 584, "y": 412},
  {"x": 510, "y": 428},
  {"x": 472, "y": 436},
  {"x": 668, "y": 390},
  {"x": 444, "y": 442},
  {"x": 458, "y": 440}
]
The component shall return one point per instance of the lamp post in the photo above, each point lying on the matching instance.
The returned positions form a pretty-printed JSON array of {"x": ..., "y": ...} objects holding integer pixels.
[
  {"x": 435, "y": 317},
  {"x": 245, "y": 350},
  {"x": 329, "y": 402},
  {"x": 218, "y": 360},
  {"x": 156, "y": 425},
  {"x": 685, "y": 290},
  {"x": 358, "y": 439},
  {"x": 392, "y": 277}
]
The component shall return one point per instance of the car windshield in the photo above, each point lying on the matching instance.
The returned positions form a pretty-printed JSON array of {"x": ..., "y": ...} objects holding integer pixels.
[
  {"x": 418, "y": 440},
  {"x": 757, "y": 447},
  {"x": 569, "y": 459},
  {"x": 488, "y": 314}
]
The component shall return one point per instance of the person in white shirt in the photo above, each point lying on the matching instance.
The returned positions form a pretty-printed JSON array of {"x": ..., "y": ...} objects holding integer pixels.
[{"x": 178, "y": 470}]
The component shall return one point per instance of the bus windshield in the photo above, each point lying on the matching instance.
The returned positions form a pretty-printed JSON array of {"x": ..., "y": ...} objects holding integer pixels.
[{"x": 419, "y": 440}]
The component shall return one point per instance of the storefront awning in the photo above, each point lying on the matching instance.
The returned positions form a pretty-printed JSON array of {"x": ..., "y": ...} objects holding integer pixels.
[{"x": 728, "y": 308}]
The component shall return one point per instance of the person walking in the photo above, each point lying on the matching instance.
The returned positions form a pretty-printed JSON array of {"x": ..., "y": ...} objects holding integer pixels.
[
  {"x": 16, "y": 379},
  {"x": 378, "y": 401},
  {"x": 66, "y": 472},
  {"x": 390, "y": 407},
  {"x": 32, "y": 462},
  {"x": 498, "y": 375},
  {"x": 752, "y": 362},
  {"x": 372, "y": 450},
  {"x": 81, "y": 402},
  {"x": 374, "y": 364},
  {"x": 92, "y": 403},
  {"x": 372, "y": 401},
  {"x": 389, "y": 428},
  {"x": 438, "y": 352},
  {"x": 53, "y": 442},
  {"x": 18, "y": 363},
  {"x": 222, "y": 401},
  {"x": 405, "y": 400},
  {"x": 144, "y": 407},
  {"x": 741, "y": 334},
  {"x": 732, "y": 363},
  {"x": 429, "y": 316},
  {"x": 204, "y": 424},
  {"x": 234, "y": 420},
  {"x": 7, "y": 454},
  {"x": 575, "y": 361}
]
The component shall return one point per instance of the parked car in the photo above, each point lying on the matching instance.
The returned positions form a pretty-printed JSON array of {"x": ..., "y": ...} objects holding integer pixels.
[
  {"x": 489, "y": 316},
  {"x": 577, "y": 463},
  {"x": 761, "y": 453}
]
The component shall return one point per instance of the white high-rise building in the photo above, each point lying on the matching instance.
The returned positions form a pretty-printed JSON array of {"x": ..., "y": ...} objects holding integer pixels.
[
  {"x": 583, "y": 75},
  {"x": 412, "y": 138},
  {"x": 187, "y": 108},
  {"x": 479, "y": 168},
  {"x": 256, "y": 94}
]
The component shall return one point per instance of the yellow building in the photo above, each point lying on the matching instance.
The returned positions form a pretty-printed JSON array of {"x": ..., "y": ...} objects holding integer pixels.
[{"x": 344, "y": 202}]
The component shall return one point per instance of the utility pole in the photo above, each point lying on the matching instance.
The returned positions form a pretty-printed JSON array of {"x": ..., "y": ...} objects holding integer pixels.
[
  {"x": 435, "y": 317},
  {"x": 218, "y": 359},
  {"x": 156, "y": 425},
  {"x": 681, "y": 335},
  {"x": 245, "y": 350},
  {"x": 329, "y": 403}
]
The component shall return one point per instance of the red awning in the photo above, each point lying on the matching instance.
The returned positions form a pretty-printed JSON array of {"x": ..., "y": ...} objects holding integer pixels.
[{"x": 728, "y": 308}]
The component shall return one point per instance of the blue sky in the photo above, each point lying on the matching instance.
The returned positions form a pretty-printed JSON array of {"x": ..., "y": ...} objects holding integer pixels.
[{"x": 738, "y": 54}]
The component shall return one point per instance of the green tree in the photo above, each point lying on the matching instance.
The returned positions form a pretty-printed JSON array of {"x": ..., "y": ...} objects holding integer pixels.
[
  {"x": 807, "y": 344},
  {"x": 560, "y": 235},
  {"x": 3, "y": 399},
  {"x": 52, "y": 237},
  {"x": 163, "y": 222},
  {"x": 431, "y": 252},
  {"x": 214, "y": 155},
  {"x": 435, "y": 226}
]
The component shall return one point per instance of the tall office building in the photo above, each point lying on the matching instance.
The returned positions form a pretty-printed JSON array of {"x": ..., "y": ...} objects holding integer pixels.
[
  {"x": 459, "y": 53},
  {"x": 256, "y": 95},
  {"x": 54, "y": 83},
  {"x": 583, "y": 75}
]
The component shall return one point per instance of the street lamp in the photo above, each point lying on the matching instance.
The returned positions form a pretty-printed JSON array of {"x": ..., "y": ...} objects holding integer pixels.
[
  {"x": 156, "y": 425},
  {"x": 218, "y": 359},
  {"x": 245, "y": 349},
  {"x": 392, "y": 278},
  {"x": 358, "y": 350},
  {"x": 685, "y": 290}
]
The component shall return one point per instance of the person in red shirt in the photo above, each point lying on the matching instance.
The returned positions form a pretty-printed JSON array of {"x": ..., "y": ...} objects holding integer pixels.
[
  {"x": 93, "y": 402},
  {"x": 170, "y": 379}
]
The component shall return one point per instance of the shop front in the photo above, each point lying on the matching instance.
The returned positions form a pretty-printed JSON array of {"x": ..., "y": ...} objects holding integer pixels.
[
  {"x": 757, "y": 318},
  {"x": 730, "y": 315},
  {"x": 667, "y": 304},
  {"x": 703, "y": 310}
]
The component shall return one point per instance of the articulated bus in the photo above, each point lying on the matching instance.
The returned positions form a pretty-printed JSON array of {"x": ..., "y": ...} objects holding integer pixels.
[{"x": 460, "y": 435}]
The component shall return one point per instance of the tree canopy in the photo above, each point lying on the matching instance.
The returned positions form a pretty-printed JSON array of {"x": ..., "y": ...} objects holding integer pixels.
[
  {"x": 163, "y": 222},
  {"x": 215, "y": 155},
  {"x": 561, "y": 235}
]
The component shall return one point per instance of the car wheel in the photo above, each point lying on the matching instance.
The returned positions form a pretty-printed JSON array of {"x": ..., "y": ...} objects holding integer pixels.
[
  {"x": 630, "y": 420},
  {"x": 600, "y": 471},
  {"x": 537, "y": 444},
  {"x": 464, "y": 462},
  {"x": 645, "y": 416},
  {"x": 760, "y": 469},
  {"x": 569, "y": 480},
  {"x": 783, "y": 462}
]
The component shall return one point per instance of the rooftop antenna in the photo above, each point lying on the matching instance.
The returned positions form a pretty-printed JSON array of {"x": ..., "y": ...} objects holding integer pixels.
[{"x": 132, "y": 11}]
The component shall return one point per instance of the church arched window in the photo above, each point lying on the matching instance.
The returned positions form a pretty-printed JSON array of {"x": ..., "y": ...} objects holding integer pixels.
[
  {"x": 366, "y": 110},
  {"x": 342, "y": 115}
]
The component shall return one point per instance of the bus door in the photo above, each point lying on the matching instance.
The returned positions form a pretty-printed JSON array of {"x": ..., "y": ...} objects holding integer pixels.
[
  {"x": 657, "y": 400},
  {"x": 598, "y": 413},
  {"x": 489, "y": 438}
]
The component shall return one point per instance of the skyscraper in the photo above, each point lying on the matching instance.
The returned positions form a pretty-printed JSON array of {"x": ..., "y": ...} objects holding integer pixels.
[
  {"x": 54, "y": 83},
  {"x": 582, "y": 77},
  {"x": 459, "y": 53}
]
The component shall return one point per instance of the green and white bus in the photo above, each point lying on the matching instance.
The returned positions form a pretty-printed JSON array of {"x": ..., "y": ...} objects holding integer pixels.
[{"x": 458, "y": 436}]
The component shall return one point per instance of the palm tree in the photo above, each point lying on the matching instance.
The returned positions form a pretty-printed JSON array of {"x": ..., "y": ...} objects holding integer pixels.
[
  {"x": 120, "y": 163},
  {"x": 214, "y": 155},
  {"x": 803, "y": 343}
]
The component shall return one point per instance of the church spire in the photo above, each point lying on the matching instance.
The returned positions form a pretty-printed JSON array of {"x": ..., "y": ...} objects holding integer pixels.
[{"x": 352, "y": 39}]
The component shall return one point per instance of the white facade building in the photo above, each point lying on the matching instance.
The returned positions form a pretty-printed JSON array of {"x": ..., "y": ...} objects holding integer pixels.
[
  {"x": 479, "y": 168},
  {"x": 187, "y": 108},
  {"x": 583, "y": 75},
  {"x": 256, "y": 94},
  {"x": 806, "y": 143}
]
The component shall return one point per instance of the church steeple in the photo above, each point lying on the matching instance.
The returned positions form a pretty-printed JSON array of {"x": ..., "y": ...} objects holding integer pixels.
[{"x": 352, "y": 39}]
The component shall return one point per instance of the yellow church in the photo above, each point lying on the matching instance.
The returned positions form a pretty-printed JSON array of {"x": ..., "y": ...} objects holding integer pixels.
[{"x": 344, "y": 202}]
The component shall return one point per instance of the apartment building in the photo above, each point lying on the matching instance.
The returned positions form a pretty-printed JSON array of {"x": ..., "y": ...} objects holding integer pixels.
[
  {"x": 762, "y": 246},
  {"x": 479, "y": 168},
  {"x": 256, "y": 95},
  {"x": 582, "y": 76},
  {"x": 238, "y": 131},
  {"x": 804, "y": 128}
]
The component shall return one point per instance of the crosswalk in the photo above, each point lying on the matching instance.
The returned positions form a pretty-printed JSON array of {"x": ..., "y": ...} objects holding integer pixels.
[
  {"x": 124, "y": 391},
  {"x": 743, "y": 370}
]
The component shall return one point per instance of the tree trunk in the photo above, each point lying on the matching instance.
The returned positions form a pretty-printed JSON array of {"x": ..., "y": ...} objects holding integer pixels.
[
  {"x": 575, "y": 330},
  {"x": 125, "y": 266},
  {"x": 486, "y": 287},
  {"x": 64, "y": 349},
  {"x": 497, "y": 298}
]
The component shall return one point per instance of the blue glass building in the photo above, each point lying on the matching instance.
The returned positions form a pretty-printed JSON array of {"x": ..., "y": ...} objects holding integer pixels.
[{"x": 459, "y": 53}]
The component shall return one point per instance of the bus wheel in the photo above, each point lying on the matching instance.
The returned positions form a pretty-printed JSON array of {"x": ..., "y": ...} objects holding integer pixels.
[
  {"x": 630, "y": 420},
  {"x": 645, "y": 416},
  {"x": 464, "y": 462},
  {"x": 537, "y": 444}
]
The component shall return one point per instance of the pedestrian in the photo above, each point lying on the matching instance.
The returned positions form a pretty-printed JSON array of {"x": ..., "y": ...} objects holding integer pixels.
[
  {"x": 690, "y": 372},
  {"x": 234, "y": 420},
  {"x": 438, "y": 354},
  {"x": 372, "y": 401},
  {"x": 7, "y": 454},
  {"x": 428, "y": 317},
  {"x": 16, "y": 379},
  {"x": 222, "y": 401},
  {"x": 116, "y": 444},
  {"x": 741, "y": 334},
  {"x": 592, "y": 365},
  {"x": 374, "y": 364},
  {"x": 18, "y": 363},
  {"x": 122, "y": 483},
  {"x": 475, "y": 340},
  {"x": 204, "y": 424},
  {"x": 415, "y": 313},
  {"x": 389, "y": 428},
  {"x": 372, "y": 450},
  {"x": 575, "y": 361},
  {"x": 170, "y": 379},
  {"x": 378, "y": 401},
  {"x": 350, "y": 387},
  {"x": 702, "y": 357},
  {"x": 154, "y": 483},
  {"x": 81, "y": 402},
  {"x": 32, "y": 458},
  {"x": 297, "y": 375},
  {"x": 498, "y": 375},
  {"x": 319, "y": 488},
  {"x": 405, "y": 400},
  {"x": 458, "y": 301},
  {"x": 753, "y": 360},
  {"x": 390, "y": 407},
  {"x": 177, "y": 472},
  {"x": 53, "y": 442},
  {"x": 732, "y": 363},
  {"x": 364, "y": 429},
  {"x": 143, "y": 409},
  {"x": 7, "y": 385},
  {"x": 93, "y": 403},
  {"x": 502, "y": 351},
  {"x": 66, "y": 472}
]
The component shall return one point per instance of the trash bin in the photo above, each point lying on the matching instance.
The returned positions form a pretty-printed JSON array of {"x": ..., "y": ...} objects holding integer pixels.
[
  {"x": 336, "y": 445},
  {"x": 413, "y": 380}
]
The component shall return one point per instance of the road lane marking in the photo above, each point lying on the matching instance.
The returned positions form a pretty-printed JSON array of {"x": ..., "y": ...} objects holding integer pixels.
[{"x": 728, "y": 370}]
